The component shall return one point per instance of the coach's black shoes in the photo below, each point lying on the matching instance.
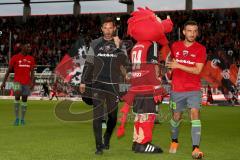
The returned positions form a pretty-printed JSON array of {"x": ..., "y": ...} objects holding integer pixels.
[
  {"x": 147, "y": 148},
  {"x": 105, "y": 146},
  {"x": 99, "y": 150}
]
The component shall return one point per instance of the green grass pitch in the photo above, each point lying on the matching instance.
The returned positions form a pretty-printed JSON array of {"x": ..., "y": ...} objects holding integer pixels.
[{"x": 44, "y": 137}]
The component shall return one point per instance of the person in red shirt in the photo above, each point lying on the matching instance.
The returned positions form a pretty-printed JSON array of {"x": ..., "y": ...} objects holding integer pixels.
[
  {"x": 188, "y": 58},
  {"x": 22, "y": 64}
]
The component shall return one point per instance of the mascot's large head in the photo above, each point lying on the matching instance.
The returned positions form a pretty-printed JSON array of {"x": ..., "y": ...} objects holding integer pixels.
[{"x": 144, "y": 25}]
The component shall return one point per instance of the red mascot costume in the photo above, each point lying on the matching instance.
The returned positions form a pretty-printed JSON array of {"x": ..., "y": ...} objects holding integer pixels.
[{"x": 146, "y": 90}]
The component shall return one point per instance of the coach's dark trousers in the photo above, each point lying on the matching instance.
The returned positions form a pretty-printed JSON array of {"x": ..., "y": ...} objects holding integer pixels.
[{"x": 108, "y": 94}]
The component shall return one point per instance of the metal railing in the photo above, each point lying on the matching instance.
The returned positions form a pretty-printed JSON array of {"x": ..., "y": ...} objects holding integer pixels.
[{"x": 38, "y": 2}]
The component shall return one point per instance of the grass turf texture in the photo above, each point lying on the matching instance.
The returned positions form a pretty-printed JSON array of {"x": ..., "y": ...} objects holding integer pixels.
[{"x": 44, "y": 137}]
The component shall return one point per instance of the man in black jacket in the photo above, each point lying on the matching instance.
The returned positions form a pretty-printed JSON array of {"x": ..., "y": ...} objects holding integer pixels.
[{"x": 105, "y": 63}]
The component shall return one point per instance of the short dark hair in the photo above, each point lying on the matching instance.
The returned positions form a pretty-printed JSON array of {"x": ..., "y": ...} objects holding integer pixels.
[
  {"x": 109, "y": 20},
  {"x": 190, "y": 22}
]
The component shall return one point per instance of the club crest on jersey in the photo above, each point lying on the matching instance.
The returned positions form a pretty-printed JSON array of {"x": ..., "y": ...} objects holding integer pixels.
[
  {"x": 177, "y": 54},
  {"x": 185, "y": 53}
]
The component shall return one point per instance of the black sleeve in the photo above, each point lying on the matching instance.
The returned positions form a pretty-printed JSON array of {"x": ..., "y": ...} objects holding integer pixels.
[
  {"x": 87, "y": 74},
  {"x": 153, "y": 53},
  {"x": 122, "y": 57}
]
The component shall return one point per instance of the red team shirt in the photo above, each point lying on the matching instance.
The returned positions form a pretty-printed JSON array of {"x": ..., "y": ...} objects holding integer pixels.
[
  {"x": 22, "y": 66},
  {"x": 188, "y": 56},
  {"x": 143, "y": 62}
]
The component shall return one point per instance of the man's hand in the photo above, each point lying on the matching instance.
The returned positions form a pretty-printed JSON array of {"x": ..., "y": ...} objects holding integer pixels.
[
  {"x": 117, "y": 41},
  {"x": 82, "y": 88},
  {"x": 128, "y": 76},
  {"x": 172, "y": 64}
]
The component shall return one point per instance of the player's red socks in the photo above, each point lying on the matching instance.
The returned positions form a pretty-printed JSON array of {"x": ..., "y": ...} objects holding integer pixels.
[
  {"x": 136, "y": 129},
  {"x": 143, "y": 128}
]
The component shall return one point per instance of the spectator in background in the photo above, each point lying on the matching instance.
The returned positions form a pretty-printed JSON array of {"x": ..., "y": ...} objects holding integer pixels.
[
  {"x": 219, "y": 28},
  {"x": 54, "y": 90},
  {"x": 2, "y": 59},
  {"x": 209, "y": 95}
]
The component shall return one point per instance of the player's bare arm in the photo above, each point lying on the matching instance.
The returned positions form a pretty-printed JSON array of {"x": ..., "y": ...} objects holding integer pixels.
[{"x": 194, "y": 70}]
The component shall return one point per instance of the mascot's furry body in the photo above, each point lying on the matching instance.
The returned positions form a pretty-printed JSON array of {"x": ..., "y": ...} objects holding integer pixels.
[{"x": 145, "y": 91}]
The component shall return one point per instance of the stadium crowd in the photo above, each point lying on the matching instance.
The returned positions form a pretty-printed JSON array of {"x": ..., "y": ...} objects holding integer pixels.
[{"x": 52, "y": 36}]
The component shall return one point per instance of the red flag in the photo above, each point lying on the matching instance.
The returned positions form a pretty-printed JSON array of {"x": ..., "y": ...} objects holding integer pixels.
[
  {"x": 65, "y": 66},
  {"x": 212, "y": 74}
]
